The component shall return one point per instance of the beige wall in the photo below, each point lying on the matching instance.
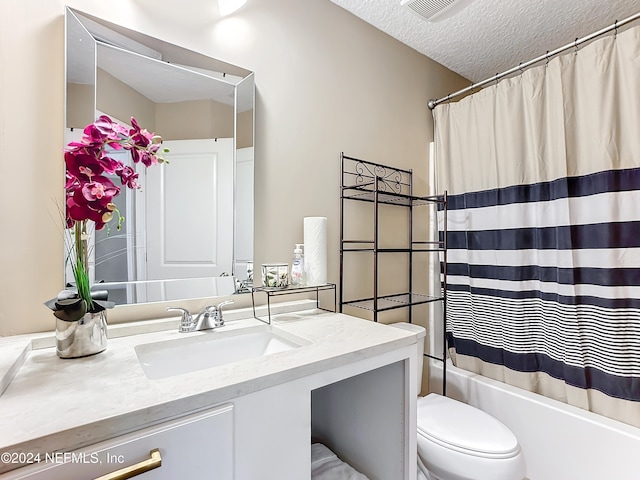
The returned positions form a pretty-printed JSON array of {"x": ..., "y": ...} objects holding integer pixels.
[
  {"x": 122, "y": 102},
  {"x": 326, "y": 82},
  {"x": 174, "y": 121},
  {"x": 195, "y": 119},
  {"x": 80, "y": 101},
  {"x": 245, "y": 129}
]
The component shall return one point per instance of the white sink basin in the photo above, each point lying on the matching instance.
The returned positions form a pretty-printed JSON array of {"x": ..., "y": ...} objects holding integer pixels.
[{"x": 211, "y": 348}]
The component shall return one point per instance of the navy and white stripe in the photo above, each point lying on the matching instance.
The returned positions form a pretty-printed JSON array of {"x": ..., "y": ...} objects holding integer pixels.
[{"x": 545, "y": 277}]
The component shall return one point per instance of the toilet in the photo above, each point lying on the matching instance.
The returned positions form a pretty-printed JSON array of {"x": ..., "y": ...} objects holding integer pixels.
[{"x": 459, "y": 442}]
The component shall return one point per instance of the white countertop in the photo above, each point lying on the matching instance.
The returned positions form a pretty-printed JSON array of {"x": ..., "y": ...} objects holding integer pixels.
[{"x": 61, "y": 405}]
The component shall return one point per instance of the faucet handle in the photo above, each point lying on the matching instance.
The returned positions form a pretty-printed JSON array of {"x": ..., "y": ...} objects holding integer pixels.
[
  {"x": 186, "y": 322},
  {"x": 217, "y": 312},
  {"x": 226, "y": 302}
]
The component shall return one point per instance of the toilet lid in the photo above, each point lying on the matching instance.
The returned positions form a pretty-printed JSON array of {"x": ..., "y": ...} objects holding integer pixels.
[{"x": 463, "y": 427}]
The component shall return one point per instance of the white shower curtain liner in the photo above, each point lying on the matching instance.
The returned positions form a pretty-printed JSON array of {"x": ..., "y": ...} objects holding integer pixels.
[{"x": 543, "y": 176}]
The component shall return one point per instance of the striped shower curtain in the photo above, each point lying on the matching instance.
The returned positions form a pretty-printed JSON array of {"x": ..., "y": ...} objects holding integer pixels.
[{"x": 543, "y": 175}]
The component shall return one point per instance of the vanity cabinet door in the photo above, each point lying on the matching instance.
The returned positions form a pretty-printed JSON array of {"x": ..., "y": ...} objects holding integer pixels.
[{"x": 199, "y": 446}]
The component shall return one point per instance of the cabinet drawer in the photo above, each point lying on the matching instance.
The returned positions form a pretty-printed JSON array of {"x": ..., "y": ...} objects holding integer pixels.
[{"x": 198, "y": 446}]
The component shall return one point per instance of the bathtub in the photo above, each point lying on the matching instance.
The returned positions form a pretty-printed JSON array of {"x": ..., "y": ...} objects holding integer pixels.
[{"x": 559, "y": 442}]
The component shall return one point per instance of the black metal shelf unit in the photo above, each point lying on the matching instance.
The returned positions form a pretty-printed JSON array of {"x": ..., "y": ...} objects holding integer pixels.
[{"x": 378, "y": 184}]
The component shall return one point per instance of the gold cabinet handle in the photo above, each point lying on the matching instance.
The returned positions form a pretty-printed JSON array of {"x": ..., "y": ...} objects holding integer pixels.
[{"x": 154, "y": 461}]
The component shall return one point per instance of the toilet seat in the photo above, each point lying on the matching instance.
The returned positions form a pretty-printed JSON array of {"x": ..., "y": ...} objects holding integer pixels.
[{"x": 462, "y": 428}]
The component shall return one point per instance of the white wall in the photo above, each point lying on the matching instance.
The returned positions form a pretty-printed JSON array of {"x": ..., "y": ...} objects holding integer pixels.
[{"x": 326, "y": 82}]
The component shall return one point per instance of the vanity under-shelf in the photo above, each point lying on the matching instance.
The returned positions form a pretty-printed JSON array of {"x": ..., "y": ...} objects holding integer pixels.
[{"x": 348, "y": 386}]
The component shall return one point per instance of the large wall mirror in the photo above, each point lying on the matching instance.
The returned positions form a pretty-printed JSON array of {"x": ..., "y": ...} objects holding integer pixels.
[{"x": 189, "y": 232}]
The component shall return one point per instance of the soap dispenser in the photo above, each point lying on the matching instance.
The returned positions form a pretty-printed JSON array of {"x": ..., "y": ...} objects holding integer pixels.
[{"x": 298, "y": 273}]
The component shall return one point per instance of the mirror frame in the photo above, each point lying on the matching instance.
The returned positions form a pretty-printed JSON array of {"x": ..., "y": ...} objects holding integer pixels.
[{"x": 90, "y": 31}]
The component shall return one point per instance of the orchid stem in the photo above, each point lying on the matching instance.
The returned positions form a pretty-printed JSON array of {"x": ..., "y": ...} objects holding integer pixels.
[{"x": 81, "y": 267}]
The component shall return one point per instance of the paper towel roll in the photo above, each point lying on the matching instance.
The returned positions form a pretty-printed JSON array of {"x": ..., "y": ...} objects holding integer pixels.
[{"x": 315, "y": 250}]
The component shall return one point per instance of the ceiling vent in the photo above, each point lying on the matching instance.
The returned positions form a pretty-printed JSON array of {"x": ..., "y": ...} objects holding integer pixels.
[{"x": 435, "y": 10}]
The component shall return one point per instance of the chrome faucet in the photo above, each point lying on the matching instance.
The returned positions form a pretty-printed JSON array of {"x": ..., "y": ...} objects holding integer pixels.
[
  {"x": 186, "y": 322},
  {"x": 209, "y": 318}
]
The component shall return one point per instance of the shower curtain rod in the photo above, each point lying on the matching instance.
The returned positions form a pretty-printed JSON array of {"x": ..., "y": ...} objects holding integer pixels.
[{"x": 434, "y": 103}]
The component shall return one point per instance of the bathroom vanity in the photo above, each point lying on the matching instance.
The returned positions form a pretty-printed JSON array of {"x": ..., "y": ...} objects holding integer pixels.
[{"x": 342, "y": 381}]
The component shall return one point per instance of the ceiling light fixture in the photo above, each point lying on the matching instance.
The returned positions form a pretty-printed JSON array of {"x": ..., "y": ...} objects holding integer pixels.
[{"x": 227, "y": 7}]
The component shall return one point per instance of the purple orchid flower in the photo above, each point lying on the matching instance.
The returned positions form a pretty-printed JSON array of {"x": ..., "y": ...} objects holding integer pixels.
[{"x": 87, "y": 161}]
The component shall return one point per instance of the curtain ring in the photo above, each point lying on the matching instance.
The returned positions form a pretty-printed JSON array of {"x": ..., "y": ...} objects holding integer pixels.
[
  {"x": 575, "y": 44},
  {"x": 520, "y": 67},
  {"x": 615, "y": 30},
  {"x": 472, "y": 89},
  {"x": 497, "y": 79},
  {"x": 547, "y": 62}
]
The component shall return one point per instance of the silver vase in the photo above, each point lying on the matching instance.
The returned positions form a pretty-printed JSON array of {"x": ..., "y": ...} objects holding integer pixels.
[{"x": 83, "y": 337}]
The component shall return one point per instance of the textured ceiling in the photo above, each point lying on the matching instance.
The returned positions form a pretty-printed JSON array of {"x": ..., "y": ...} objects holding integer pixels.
[{"x": 491, "y": 36}]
